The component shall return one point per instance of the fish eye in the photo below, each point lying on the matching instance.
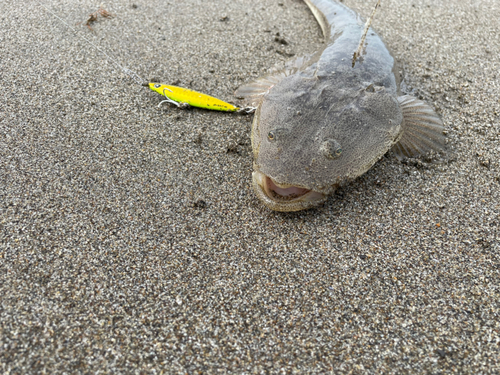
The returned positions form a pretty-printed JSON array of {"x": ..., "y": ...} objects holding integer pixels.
[
  {"x": 157, "y": 85},
  {"x": 277, "y": 135},
  {"x": 331, "y": 149}
]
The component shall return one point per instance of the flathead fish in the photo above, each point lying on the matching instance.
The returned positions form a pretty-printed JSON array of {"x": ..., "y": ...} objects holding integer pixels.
[{"x": 321, "y": 122}]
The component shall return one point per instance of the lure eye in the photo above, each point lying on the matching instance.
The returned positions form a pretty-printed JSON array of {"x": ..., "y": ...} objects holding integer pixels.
[
  {"x": 331, "y": 149},
  {"x": 271, "y": 136},
  {"x": 157, "y": 85}
]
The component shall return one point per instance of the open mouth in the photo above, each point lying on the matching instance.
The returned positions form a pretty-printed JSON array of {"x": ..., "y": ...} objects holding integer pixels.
[
  {"x": 282, "y": 191},
  {"x": 284, "y": 197}
]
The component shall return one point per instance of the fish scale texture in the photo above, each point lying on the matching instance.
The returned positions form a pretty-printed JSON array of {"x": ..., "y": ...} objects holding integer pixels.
[{"x": 131, "y": 240}]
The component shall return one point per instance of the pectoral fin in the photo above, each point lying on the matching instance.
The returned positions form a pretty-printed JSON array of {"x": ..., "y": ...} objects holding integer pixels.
[
  {"x": 422, "y": 129},
  {"x": 253, "y": 92}
]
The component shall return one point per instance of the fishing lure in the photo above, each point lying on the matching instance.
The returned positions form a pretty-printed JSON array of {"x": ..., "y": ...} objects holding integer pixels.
[{"x": 181, "y": 97}]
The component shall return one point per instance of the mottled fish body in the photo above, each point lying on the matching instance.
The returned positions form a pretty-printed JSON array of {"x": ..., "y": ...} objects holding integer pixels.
[{"x": 321, "y": 121}]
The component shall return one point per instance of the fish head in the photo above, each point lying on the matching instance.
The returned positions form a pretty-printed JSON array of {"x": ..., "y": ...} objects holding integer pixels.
[{"x": 309, "y": 136}]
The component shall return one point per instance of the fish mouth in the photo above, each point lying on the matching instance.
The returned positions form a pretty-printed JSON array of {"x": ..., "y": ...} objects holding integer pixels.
[{"x": 284, "y": 197}]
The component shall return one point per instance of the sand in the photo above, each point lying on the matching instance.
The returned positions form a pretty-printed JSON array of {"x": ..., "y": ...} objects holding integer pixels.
[{"x": 131, "y": 240}]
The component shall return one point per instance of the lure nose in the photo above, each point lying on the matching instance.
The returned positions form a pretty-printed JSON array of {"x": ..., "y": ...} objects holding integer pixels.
[{"x": 145, "y": 84}]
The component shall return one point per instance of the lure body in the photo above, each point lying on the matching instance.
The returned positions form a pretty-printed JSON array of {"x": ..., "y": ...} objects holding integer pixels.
[{"x": 193, "y": 98}]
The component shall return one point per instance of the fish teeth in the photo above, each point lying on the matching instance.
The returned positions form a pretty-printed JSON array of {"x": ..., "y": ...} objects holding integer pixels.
[{"x": 283, "y": 186}]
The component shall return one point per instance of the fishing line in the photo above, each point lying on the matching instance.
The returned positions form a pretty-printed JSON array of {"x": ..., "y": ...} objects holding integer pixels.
[
  {"x": 179, "y": 96},
  {"x": 136, "y": 77},
  {"x": 357, "y": 53}
]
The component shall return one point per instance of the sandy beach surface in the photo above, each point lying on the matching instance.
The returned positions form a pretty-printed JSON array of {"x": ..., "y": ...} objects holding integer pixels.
[{"x": 131, "y": 240}]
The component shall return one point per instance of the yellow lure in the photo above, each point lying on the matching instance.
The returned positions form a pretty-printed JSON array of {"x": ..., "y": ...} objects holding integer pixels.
[{"x": 178, "y": 95}]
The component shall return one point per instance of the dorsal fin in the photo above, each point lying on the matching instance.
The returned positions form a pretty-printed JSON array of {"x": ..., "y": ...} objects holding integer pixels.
[{"x": 332, "y": 16}]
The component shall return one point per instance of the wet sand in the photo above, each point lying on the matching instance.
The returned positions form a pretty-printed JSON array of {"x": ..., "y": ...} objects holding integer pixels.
[{"x": 131, "y": 240}]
